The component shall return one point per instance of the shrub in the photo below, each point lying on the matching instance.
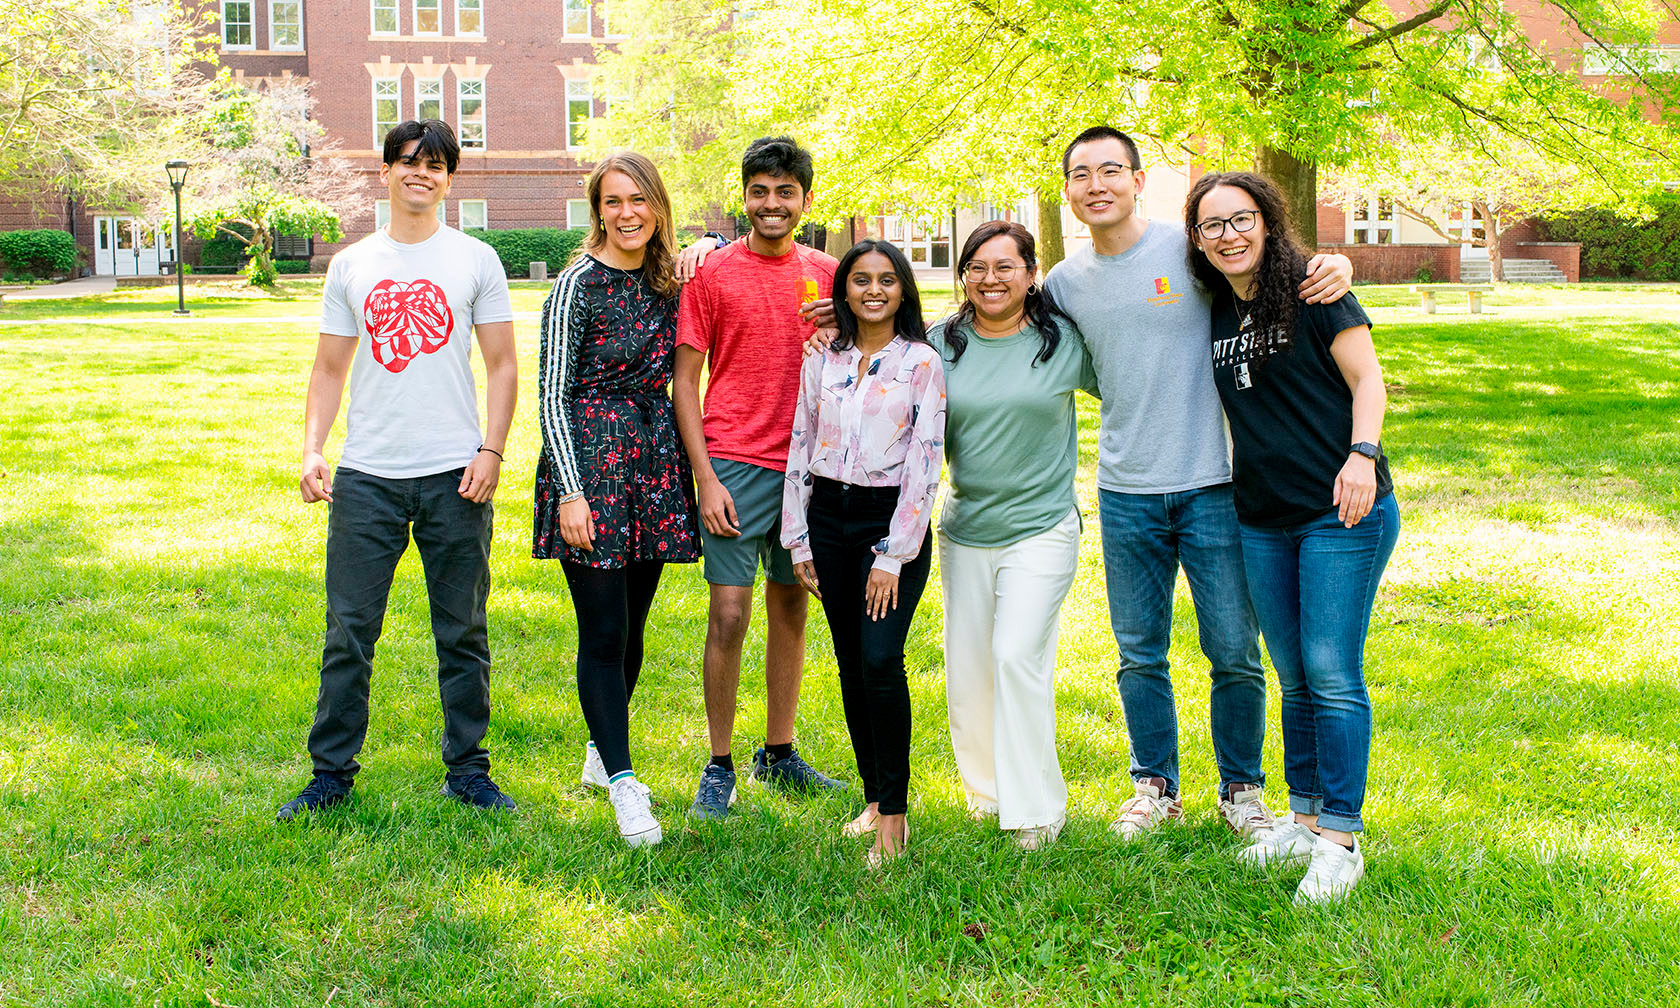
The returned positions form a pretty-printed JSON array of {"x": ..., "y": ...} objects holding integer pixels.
[
  {"x": 518, "y": 248},
  {"x": 40, "y": 253},
  {"x": 223, "y": 253},
  {"x": 291, "y": 265},
  {"x": 1613, "y": 246},
  {"x": 1424, "y": 275}
]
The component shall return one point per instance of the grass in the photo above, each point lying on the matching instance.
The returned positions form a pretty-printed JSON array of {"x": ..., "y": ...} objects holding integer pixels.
[{"x": 160, "y": 624}]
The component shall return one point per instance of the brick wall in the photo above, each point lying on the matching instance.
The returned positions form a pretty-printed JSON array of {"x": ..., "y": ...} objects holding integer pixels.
[
  {"x": 1399, "y": 264},
  {"x": 1566, "y": 256}
]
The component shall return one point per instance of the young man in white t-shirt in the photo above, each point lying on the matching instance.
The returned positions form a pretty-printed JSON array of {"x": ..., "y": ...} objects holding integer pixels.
[{"x": 401, "y": 306}]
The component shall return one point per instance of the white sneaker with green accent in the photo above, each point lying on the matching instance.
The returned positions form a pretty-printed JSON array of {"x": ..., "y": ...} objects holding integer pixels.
[
  {"x": 636, "y": 823},
  {"x": 1284, "y": 841},
  {"x": 594, "y": 771},
  {"x": 1333, "y": 873}
]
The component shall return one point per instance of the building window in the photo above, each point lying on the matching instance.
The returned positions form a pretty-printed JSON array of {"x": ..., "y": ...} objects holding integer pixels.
[
  {"x": 293, "y": 246},
  {"x": 602, "y": 16},
  {"x": 577, "y": 18},
  {"x": 1373, "y": 222},
  {"x": 469, "y": 108},
  {"x": 387, "y": 108},
  {"x": 579, "y": 107},
  {"x": 469, "y": 17},
  {"x": 384, "y": 17},
  {"x": 285, "y": 24},
  {"x": 577, "y": 214},
  {"x": 428, "y": 17},
  {"x": 1467, "y": 226},
  {"x": 237, "y": 32},
  {"x": 475, "y": 213},
  {"x": 428, "y": 98},
  {"x": 926, "y": 241}
]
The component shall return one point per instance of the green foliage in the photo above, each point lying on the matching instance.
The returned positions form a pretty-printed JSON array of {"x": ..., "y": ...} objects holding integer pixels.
[
  {"x": 518, "y": 248},
  {"x": 291, "y": 266},
  {"x": 1424, "y": 275},
  {"x": 224, "y": 250},
  {"x": 1618, "y": 246},
  {"x": 38, "y": 253}
]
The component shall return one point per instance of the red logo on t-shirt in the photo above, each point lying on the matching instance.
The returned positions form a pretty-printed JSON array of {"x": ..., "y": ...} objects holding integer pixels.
[{"x": 406, "y": 319}]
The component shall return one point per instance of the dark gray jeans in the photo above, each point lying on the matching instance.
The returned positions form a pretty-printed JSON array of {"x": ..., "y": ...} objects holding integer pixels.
[{"x": 367, "y": 533}]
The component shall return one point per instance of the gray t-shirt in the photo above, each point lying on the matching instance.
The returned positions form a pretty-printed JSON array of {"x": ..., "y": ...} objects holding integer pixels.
[{"x": 1148, "y": 327}]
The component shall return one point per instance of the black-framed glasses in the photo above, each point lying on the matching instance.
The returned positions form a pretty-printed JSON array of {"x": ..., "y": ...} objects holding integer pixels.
[
  {"x": 1108, "y": 171},
  {"x": 976, "y": 272},
  {"x": 1241, "y": 221}
]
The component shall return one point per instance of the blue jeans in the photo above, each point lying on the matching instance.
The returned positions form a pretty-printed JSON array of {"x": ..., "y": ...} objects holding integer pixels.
[
  {"x": 1145, "y": 538},
  {"x": 1313, "y": 585}
]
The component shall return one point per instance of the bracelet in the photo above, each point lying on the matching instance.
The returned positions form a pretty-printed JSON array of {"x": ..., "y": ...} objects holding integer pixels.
[
  {"x": 492, "y": 451},
  {"x": 575, "y": 495}
]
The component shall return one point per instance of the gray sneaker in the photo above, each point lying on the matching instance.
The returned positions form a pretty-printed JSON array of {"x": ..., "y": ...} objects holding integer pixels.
[
  {"x": 791, "y": 775},
  {"x": 715, "y": 794}
]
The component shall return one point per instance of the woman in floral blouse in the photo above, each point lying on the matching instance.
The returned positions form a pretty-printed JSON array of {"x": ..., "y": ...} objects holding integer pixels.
[{"x": 862, "y": 475}]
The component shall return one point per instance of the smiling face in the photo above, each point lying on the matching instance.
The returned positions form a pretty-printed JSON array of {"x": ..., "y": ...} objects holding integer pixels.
[
  {"x": 417, "y": 182},
  {"x": 995, "y": 299},
  {"x": 1103, "y": 183},
  {"x": 873, "y": 290},
  {"x": 775, "y": 204},
  {"x": 629, "y": 221},
  {"x": 1234, "y": 253}
]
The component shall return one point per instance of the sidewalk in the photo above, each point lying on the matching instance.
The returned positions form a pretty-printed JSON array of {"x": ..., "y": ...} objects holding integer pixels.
[{"x": 80, "y": 287}]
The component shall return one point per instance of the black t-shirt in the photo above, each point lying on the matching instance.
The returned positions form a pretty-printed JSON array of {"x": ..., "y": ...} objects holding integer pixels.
[{"x": 1291, "y": 414}]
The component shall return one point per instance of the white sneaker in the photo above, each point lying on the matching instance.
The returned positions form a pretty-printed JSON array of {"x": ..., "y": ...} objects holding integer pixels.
[
  {"x": 1246, "y": 812},
  {"x": 1148, "y": 808},
  {"x": 595, "y": 772},
  {"x": 1282, "y": 842},
  {"x": 636, "y": 823},
  {"x": 1333, "y": 873},
  {"x": 1033, "y": 838}
]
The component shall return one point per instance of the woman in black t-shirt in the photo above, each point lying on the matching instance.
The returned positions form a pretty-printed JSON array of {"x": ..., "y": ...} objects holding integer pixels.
[{"x": 1304, "y": 395}]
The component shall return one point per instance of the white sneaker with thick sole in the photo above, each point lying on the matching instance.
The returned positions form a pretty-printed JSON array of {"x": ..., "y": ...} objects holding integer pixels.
[
  {"x": 1284, "y": 841},
  {"x": 636, "y": 823},
  {"x": 1033, "y": 838},
  {"x": 595, "y": 772},
  {"x": 1333, "y": 873},
  {"x": 1246, "y": 813},
  {"x": 1148, "y": 808}
]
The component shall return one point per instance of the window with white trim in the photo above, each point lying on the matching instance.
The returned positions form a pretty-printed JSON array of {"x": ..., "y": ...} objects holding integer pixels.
[
  {"x": 1373, "y": 222},
  {"x": 285, "y": 24},
  {"x": 576, "y": 18},
  {"x": 469, "y": 17},
  {"x": 428, "y": 17},
  {"x": 475, "y": 213},
  {"x": 469, "y": 112},
  {"x": 428, "y": 98},
  {"x": 387, "y": 108},
  {"x": 1466, "y": 225},
  {"x": 604, "y": 19},
  {"x": 925, "y": 238},
  {"x": 579, "y": 107},
  {"x": 577, "y": 214},
  {"x": 384, "y": 17},
  {"x": 238, "y": 25}
]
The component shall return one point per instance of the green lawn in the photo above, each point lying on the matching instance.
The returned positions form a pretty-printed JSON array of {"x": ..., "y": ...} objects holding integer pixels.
[{"x": 160, "y": 626}]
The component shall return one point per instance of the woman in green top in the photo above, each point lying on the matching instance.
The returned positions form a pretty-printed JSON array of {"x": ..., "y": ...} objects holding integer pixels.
[{"x": 1009, "y": 531}]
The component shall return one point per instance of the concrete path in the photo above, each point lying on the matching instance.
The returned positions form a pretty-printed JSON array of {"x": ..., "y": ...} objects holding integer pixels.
[{"x": 80, "y": 287}]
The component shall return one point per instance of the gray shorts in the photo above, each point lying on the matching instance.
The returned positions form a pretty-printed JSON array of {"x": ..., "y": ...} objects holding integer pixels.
[{"x": 757, "y": 492}]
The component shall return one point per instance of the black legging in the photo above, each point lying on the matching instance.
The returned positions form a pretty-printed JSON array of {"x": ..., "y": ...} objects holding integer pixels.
[
  {"x": 612, "y": 609},
  {"x": 846, "y": 522}
]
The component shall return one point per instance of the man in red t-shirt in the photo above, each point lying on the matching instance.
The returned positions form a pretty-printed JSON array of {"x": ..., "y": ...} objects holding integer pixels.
[{"x": 740, "y": 319}]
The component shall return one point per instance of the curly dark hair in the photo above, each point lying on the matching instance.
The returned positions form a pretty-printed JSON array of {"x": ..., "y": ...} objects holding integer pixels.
[
  {"x": 1041, "y": 309},
  {"x": 1282, "y": 263}
]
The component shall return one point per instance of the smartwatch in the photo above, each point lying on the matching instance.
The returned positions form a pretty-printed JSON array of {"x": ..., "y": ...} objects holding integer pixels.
[
  {"x": 720, "y": 239},
  {"x": 1366, "y": 449}
]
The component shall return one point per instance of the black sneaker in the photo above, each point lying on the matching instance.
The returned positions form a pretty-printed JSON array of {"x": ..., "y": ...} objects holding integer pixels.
[
  {"x": 324, "y": 791},
  {"x": 477, "y": 789},
  {"x": 791, "y": 775}
]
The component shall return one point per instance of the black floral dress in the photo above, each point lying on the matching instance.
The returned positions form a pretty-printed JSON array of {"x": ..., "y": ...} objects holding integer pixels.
[{"x": 608, "y": 427}]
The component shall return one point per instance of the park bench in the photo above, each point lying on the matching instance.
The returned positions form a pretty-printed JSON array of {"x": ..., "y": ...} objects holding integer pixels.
[{"x": 1473, "y": 291}]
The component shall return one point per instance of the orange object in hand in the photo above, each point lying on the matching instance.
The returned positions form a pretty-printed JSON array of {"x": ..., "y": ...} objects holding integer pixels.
[{"x": 812, "y": 291}]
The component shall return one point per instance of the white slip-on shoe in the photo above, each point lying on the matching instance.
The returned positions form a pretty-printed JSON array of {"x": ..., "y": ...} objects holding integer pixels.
[
  {"x": 1148, "y": 808},
  {"x": 1284, "y": 841},
  {"x": 1033, "y": 838},
  {"x": 1245, "y": 812},
  {"x": 636, "y": 823},
  {"x": 1332, "y": 874}
]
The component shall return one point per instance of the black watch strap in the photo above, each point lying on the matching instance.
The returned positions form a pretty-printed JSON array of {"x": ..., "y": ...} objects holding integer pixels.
[
  {"x": 720, "y": 239},
  {"x": 1366, "y": 449}
]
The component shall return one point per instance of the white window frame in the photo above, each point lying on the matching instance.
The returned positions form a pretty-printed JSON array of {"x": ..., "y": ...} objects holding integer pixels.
[
  {"x": 436, "y": 5},
  {"x": 420, "y": 84},
  {"x": 250, "y": 25},
  {"x": 573, "y": 85},
  {"x": 395, "y": 7},
  {"x": 473, "y": 5},
  {"x": 483, "y": 213},
  {"x": 273, "y": 42},
  {"x": 571, "y": 7},
  {"x": 482, "y": 93},
  {"x": 1376, "y": 227},
  {"x": 1466, "y": 224},
  {"x": 923, "y": 235},
  {"x": 395, "y": 84},
  {"x": 604, "y": 20},
  {"x": 577, "y": 215}
]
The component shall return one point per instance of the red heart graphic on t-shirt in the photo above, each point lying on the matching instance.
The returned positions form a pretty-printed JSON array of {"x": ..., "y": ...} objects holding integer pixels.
[{"x": 406, "y": 319}]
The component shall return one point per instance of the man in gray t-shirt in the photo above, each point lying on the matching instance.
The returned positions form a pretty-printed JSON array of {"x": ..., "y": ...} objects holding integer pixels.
[{"x": 1164, "y": 480}]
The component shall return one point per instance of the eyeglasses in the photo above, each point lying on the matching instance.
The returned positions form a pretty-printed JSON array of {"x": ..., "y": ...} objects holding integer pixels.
[
  {"x": 1108, "y": 171},
  {"x": 1240, "y": 222},
  {"x": 976, "y": 272}
]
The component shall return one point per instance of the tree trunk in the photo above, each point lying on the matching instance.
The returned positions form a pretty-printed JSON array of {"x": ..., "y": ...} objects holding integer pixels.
[
  {"x": 1051, "y": 249},
  {"x": 839, "y": 240},
  {"x": 1490, "y": 229},
  {"x": 1299, "y": 181}
]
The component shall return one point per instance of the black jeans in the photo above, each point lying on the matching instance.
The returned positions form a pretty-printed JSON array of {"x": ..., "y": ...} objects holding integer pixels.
[
  {"x": 612, "y": 607},
  {"x": 367, "y": 532},
  {"x": 846, "y": 522}
]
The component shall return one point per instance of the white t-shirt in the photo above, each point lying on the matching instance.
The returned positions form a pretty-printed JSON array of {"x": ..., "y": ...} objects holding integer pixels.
[{"x": 412, "y": 308}]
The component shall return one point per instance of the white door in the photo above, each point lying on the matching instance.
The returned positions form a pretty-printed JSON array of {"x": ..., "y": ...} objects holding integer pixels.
[
  {"x": 129, "y": 246},
  {"x": 104, "y": 246}
]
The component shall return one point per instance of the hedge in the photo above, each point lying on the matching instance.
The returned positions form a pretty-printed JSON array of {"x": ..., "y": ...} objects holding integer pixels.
[
  {"x": 291, "y": 265},
  {"x": 40, "y": 253},
  {"x": 518, "y": 248},
  {"x": 1613, "y": 246},
  {"x": 223, "y": 253}
]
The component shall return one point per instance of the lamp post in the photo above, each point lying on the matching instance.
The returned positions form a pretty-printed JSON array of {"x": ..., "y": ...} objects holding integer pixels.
[{"x": 177, "y": 178}]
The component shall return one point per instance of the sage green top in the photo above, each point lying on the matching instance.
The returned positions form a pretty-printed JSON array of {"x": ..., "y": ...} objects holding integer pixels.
[{"x": 1011, "y": 434}]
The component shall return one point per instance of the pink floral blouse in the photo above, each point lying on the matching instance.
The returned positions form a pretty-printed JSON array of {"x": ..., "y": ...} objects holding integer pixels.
[{"x": 887, "y": 429}]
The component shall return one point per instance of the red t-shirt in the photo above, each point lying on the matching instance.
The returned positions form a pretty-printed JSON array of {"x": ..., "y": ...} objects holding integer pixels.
[{"x": 742, "y": 311}]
